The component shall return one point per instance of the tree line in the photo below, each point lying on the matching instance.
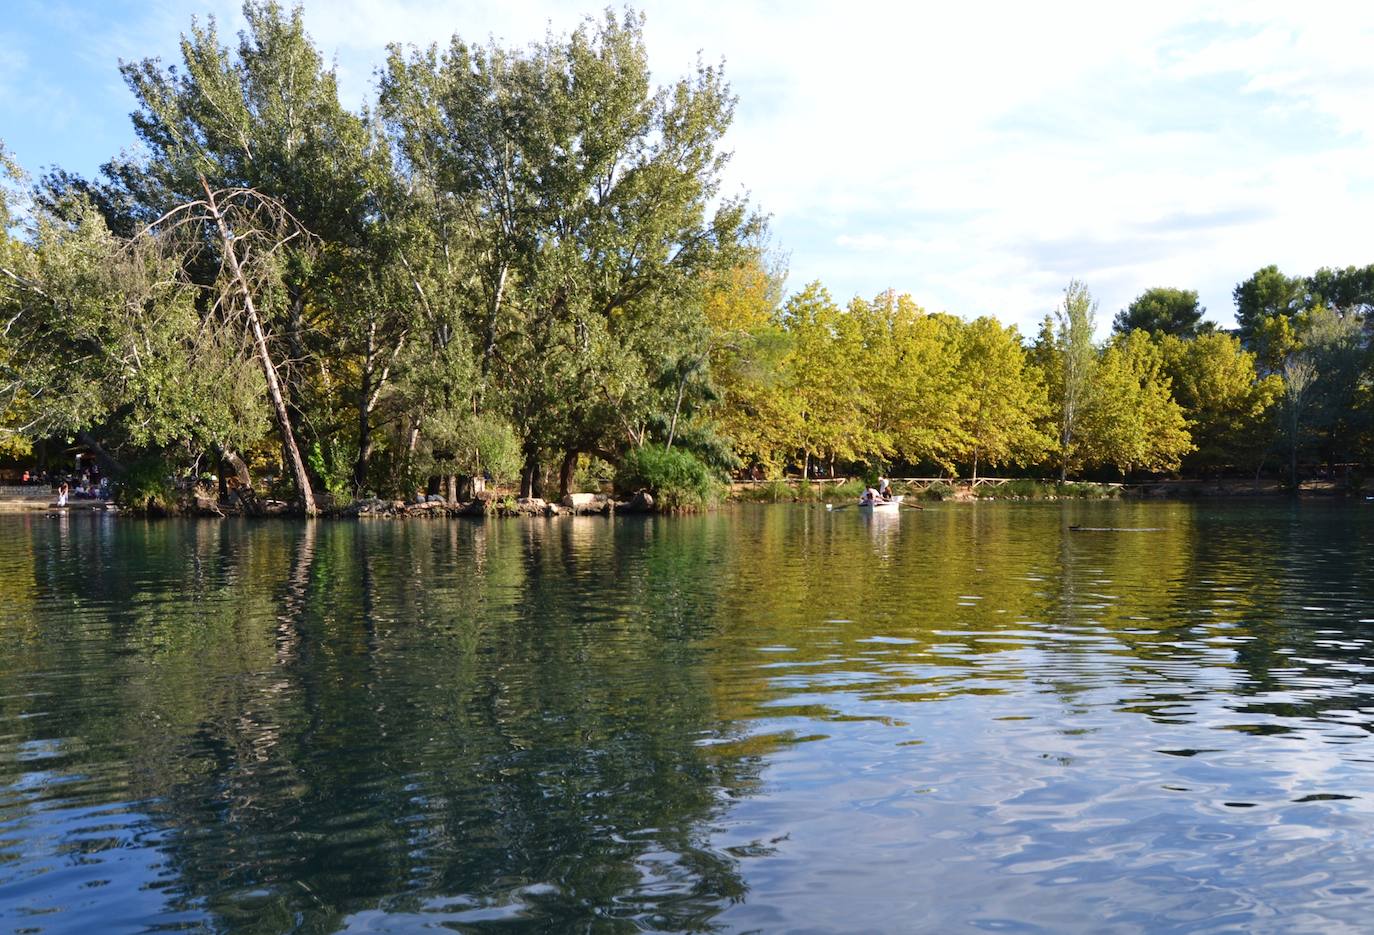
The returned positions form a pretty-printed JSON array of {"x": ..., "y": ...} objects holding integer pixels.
[
  {"x": 883, "y": 381},
  {"x": 520, "y": 263}
]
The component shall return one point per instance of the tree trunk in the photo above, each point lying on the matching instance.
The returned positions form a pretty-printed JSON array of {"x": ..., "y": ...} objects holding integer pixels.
[
  {"x": 451, "y": 488},
  {"x": 364, "y": 423},
  {"x": 108, "y": 465},
  {"x": 975, "y": 464},
  {"x": 269, "y": 370},
  {"x": 566, "y": 470},
  {"x": 677, "y": 408},
  {"x": 531, "y": 476},
  {"x": 1293, "y": 463},
  {"x": 364, "y": 451},
  {"x": 373, "y": 384},
  {"x": 229, "y": 457}
]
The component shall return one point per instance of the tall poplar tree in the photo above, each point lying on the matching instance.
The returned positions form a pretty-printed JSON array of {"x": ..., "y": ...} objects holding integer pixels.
[{"x": 1071, "y": 362}]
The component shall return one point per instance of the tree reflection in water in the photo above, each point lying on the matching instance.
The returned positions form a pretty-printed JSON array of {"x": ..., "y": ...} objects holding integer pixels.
[{"x": 671, "y": 723}]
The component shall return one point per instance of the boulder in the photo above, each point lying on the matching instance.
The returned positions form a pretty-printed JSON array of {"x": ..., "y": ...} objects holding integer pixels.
[
  {"x": 583, "y": 504},
  {"x": 531, "y": 506},
  {"x": 366, "y": 507}
]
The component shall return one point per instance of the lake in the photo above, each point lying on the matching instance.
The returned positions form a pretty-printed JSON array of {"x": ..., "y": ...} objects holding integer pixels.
[{"x": 770, "y": 718}]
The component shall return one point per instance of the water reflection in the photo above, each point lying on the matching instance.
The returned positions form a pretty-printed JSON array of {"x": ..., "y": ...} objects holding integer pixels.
[{"x": 768, "y": 718}]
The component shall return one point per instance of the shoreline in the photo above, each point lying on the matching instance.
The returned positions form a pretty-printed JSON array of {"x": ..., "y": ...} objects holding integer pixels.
[{"x": 1163, "y": 492}]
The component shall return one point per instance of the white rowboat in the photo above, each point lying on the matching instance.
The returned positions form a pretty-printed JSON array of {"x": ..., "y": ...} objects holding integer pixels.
[{"x": 883, "y": 506}]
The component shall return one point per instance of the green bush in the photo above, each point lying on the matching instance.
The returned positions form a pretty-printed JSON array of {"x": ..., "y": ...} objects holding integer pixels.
[
  {"x": 849, "y": 490},
  {"x": 332, "y": 462},
  {"x": 773, "y": 491},
  {"x": 677, "y": 479},
  {"x": 1026, "y": 488},
  {"x": 938, "y": 491},
  {"x": 146, "y": 487},
  {"x": 592, "y": 475},
  {"x": 1084, "y": 491}
]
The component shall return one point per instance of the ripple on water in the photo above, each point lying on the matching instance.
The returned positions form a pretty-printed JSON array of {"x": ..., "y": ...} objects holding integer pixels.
[{"x": 762, "y": 719}]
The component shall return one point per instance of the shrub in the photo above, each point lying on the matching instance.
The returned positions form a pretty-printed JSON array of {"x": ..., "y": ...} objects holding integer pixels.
[
  {"x": 332, "y": 462},
  {"x": 938, "y": 491},
  {"x": 1085, "y": 491},
  {"x": 592, "y": 475},
  {"x": 773, "y": 491},
  {"x": 677, "y": 479},
  {"x": 1024, "y": 487},
  {"x": 147, "y": 487},
  {"x": 849, "y": 490}
]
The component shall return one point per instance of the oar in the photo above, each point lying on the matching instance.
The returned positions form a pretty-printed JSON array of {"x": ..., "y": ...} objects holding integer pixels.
[
  {"x": 912, "y": 506},
  {"x": 1116, "y": 529},
  {"x": 831, "y": 508}
]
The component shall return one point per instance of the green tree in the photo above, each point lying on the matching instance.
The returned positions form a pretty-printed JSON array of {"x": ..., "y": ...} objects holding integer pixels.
[
  {"x": 1002, "y": 400},
  {"x": 1266, "y": 295},
  {"x": 1069, "y": 358},
  {"x": 105, "y": 341},
  {"x": 911, "y": 362},
  {"x": 1163, "y": 311},
  {"x": 1348, "y": 289},
  {"x": 1229, "y": 407},
  {"x": 832, "y": 408},
  {"x": 746, "y": 352},
  {"x": 266, "y": 116},
  {"x": 1130, "y": 419},
  {"x": 589, "y": 203},
  {"x": 1335, "y": 345}
]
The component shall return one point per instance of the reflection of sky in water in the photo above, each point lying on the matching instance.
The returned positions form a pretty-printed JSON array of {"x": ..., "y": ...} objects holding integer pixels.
[
  {"x": 768, "y": 718},
  {"x": 70, "y": 862}
]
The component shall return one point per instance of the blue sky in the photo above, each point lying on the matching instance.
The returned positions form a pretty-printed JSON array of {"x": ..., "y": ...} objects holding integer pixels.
[{"x": 977, "y": 158}]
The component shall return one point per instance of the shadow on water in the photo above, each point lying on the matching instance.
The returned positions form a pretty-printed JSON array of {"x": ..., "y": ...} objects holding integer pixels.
[{"x": 766, "y": 718}]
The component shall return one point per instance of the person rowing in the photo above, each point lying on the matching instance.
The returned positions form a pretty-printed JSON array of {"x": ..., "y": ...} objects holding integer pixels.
[{"x": 884, "y": 488}]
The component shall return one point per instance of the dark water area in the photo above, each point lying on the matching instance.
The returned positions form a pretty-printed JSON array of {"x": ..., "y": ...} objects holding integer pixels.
[{"x": 766, "y": 719}]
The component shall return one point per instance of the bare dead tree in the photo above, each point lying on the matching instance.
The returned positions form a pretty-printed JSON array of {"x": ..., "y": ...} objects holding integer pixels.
[{"x": 248, "y": 231}]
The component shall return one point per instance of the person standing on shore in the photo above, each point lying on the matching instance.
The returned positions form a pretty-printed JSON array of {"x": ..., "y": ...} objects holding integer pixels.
[{"x": 62, "y": 491}]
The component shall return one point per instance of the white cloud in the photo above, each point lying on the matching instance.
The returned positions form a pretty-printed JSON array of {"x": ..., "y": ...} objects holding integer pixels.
[{"x": 977, "y": 155}]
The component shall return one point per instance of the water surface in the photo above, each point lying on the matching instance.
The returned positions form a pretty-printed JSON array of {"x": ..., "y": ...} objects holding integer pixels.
[{"x": 767, "y": 719}]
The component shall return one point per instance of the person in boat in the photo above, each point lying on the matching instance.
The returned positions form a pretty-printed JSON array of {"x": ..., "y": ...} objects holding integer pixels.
[
  {"x": 884, "y": 488},
  {"x": 869, "y": 498}
]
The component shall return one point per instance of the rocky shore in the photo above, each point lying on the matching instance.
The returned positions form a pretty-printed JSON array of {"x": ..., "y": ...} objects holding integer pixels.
[{"x": 496, "y": 505}]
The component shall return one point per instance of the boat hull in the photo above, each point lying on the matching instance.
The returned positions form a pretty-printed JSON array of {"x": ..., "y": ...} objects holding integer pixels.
[{"x": 879, "y": 509}]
